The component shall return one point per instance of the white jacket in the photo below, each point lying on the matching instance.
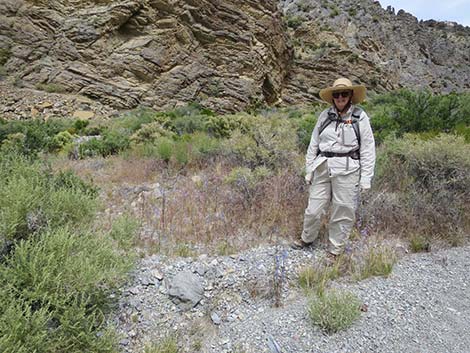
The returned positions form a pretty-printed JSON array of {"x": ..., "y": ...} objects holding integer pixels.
[{"x": 341, "y": 138}]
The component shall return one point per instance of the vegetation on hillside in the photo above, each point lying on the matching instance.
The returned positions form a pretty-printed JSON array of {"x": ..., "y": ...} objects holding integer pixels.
[{"x": 226, "y": 182}]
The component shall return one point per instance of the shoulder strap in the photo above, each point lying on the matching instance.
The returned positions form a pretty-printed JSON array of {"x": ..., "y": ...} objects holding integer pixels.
[
  {"x": 356, "y": 114},
  {"x": 331, "y": 117}
]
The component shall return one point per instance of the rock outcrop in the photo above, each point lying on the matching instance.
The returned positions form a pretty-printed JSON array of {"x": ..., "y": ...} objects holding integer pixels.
[
  {"x": 373, "y": 46},
  {"x": 226, "y": 55}
]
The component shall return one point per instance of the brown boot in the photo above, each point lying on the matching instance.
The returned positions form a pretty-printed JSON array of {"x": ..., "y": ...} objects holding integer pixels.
[
  {"x": 299, "y": 244},
  {"x": 330, "y": 258}
]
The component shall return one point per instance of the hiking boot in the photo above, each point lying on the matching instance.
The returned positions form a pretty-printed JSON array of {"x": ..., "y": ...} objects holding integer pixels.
[
  {"x": 299, "y": 244},
  {"x": 330, "y": 258}
]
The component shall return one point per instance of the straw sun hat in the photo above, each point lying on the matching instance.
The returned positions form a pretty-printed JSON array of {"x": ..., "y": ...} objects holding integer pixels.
[{"x": 343, "y": 84}]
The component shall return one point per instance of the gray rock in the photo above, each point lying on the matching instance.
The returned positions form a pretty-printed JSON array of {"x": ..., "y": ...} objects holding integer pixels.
[
  {"x": 216, "y": 319},
  {"x": 186, "y": 290}
]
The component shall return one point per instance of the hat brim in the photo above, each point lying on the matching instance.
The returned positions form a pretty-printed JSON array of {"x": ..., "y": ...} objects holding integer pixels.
[{"x": 359, "y": 93}]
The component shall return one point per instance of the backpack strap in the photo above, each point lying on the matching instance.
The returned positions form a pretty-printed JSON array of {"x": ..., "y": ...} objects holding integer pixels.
[
  {"x": 331, "y": 117},
  {"x": 356, "y": 114}
]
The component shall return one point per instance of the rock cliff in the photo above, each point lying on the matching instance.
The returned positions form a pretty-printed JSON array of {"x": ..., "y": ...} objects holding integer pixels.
[
  {"x": 380, "y": 48},
  {"x": 227, "y": 55}
]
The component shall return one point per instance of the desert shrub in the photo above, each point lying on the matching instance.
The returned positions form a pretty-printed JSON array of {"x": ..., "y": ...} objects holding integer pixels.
[
  {"x": 181, "y": 150},
  {"x": 57, "y": 293},
  {"x": 404, "y": 111},
  {"x": 294, "y": 21},
  {"x": 305, "y": 124},
  {"x": 5, "y": 54},
  {"x": 150, "y": 133},
  {"x": 78, "y": 126},
  {"x": 60, "y": 140},
  {"x": 38, "y": 134},
  {"x": 224, "y": 125},
  {"x": 185, "y": 120},
  {"x": 164, "y": 148},
  {"x": 124, "y": 231},
  {"x": 50, "y": 87},
  {"x": 268, "y": 142},
  {"x": 112, "y": 142},
  {"x": 419, "y": 243},
  {"x": 31, "y": 198},
  {"x": 133, "y": 121},
  {"x": 247, "y": 181},
  {"x": 334, "y": 310},
  {"x": 426, "y": 184}
]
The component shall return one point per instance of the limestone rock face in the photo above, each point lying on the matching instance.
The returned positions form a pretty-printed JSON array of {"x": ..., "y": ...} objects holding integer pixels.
[
  {"x": 227, "y": 55},
  {"x": 224, "y": 54}
]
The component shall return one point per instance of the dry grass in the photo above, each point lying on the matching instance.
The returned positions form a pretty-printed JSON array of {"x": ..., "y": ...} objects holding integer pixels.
[
  {"x": 112, "y": 170},
  {"x": 197, "y": 205}
]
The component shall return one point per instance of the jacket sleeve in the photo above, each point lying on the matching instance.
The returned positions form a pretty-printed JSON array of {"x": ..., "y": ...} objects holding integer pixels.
[
  {"x": 367, "y": 151},
  {"x": 312, "y": 150}
]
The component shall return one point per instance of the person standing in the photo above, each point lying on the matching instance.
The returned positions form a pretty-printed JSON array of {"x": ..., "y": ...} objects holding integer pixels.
[{"x": 340, "y": 164}]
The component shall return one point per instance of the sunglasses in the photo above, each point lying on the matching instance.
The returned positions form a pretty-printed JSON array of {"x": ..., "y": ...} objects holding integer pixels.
[{"x": 343, "y": 94}]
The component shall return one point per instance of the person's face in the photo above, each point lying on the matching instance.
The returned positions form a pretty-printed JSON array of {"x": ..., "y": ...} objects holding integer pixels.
[{"x": 341, "y": 98}]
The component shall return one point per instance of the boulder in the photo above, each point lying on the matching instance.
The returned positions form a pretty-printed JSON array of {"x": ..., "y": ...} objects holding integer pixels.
[{"x": 186, "y": 290}]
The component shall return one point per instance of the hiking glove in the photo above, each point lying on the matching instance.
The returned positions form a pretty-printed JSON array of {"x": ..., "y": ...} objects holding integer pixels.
[
  {"x": 364, "y": 184},
  {"x": 308, "y": 178}
]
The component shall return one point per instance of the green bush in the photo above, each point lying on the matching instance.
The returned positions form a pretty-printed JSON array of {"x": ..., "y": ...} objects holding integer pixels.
[
  {"x": 427, "y": 181},
  {"x": 80, "y": 125},
  {"x": 406, "y": 111},
  {"x": 38, "y": 134},
  {"x": 247, "y": 181},
  {"x": 151, "y": 132},
  {"x": 268, "y": 142},
  {"x": 124, "y": 231},
  {"x": 165, "y": 149},
  {"x": 419, "y": 243},
  {"x": 60, "y": 140},
  {"x": 57, "y": 293},
  {"x": 224, "y": 125},
  {"x": 295, "y": 22},
  {"x": 31, "y": 198},
  {"x": 111, "y": 142},
  {"x": 50, "y": 87},
  {"x": 334, "y": 311},
  {"x": 167, "y": 345},
  {"x": 4, "y": 56}
]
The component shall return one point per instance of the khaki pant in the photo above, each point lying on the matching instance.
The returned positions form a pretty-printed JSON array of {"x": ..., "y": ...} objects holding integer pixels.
[{"x": 342, "y": 191}]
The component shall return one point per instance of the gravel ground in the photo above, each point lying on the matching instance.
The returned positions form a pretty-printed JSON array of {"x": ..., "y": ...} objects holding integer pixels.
[{"x": 423, "y": 306}]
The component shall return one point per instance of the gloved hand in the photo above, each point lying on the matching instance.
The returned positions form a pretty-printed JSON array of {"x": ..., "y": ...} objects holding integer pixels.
[
  {"x": 308, "y": 178},
  {"x": 364, "y": 185}
]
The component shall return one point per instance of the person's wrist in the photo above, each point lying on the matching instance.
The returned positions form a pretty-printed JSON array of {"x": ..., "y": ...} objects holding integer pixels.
[{"x": 365, "y": 184}]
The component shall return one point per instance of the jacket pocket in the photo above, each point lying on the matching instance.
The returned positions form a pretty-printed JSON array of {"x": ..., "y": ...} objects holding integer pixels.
[{"x": 349, "y": 138}]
